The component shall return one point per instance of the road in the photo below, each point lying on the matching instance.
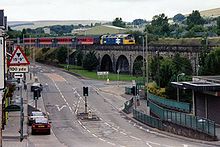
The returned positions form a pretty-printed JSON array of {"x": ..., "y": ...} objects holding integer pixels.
[{"x": 62, "y": 99}]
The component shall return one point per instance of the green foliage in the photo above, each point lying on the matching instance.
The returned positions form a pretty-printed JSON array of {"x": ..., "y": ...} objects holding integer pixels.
[
  {"x": 79, "y": 57},
  {"x": 159, "y": 25},
  {"x": 137, "y": 68},
  {"x": 90, "y": 62},
  {"x": 118, "y": 22},
  {"x": 194, "y": 19},
  {"x": 61, "y": 55},
  {"x": 178, "y": 18},
  {"x": 211, "y": 63},
  {"x": 138, "y": 21},
  {"x": 218, "y": 25},
  {"x": 181, "y": 65},
  {"x": 164, "y": 70}
]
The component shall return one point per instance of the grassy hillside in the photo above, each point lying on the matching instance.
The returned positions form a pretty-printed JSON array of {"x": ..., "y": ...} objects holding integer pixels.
[{"x": 211, "y": 13}]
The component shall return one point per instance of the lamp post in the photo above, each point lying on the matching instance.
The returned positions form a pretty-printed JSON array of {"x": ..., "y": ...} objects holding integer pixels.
[
  {"x": 146, "y": 62},
  {"x": 177, "y": 79}
]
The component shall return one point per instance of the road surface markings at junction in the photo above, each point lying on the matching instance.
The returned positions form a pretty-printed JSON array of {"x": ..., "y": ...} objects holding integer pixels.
[{"x": 60, "y": 108}]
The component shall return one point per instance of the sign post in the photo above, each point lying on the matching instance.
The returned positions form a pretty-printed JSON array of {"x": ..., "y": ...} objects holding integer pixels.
[{"x": 18, "y": 65}]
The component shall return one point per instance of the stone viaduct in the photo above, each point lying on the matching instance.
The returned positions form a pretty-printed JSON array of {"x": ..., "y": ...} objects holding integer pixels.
[{"x": 123, "y": 57}]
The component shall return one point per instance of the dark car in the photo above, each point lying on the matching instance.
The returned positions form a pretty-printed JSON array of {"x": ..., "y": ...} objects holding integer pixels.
[{"x": 40, "y": 125}]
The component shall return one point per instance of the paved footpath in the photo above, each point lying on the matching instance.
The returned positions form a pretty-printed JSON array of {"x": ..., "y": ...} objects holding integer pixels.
[{"x": 11, "y": 135}]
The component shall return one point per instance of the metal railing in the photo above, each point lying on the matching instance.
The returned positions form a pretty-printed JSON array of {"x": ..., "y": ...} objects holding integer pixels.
[
  {"x": 197, "y": 123},
  {"x": 180, "y": 106},
  {"x": 149, "y": 120}
]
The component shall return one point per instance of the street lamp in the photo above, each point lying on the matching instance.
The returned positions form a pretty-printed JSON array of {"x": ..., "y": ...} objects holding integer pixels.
[{"x": 177, "y": 79}]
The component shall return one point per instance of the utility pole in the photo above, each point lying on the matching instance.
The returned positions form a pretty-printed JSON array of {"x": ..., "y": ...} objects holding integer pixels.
[
  {"x": 146, "y": 62},
  {"x": 143, "y": 60},
  {"x": 68, "y": 58}
]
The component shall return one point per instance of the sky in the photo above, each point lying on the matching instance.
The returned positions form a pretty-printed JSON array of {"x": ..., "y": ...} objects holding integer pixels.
[{"x": 128, "y": 10}]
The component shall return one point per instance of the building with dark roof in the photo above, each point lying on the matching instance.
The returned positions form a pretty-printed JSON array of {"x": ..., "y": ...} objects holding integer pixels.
[{"x": 205, "y": 96}]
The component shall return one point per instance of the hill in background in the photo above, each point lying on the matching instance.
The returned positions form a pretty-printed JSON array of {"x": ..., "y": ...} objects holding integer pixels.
[
  {"x": 211, "y": 12},
  {"x": 19, "y": 25}
]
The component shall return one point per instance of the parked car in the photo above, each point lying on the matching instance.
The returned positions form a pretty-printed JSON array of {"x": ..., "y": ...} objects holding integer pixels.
[
  {"x": 34, "y": 115},
  {"x": 40, "y": 125}
]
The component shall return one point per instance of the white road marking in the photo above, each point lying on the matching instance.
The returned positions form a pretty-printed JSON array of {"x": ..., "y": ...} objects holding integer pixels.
[
  {"x": 185, "y": 145},
  {"x": 114, "y": 129},
  {"x": 94, "y": 135},
  {"x": 147, "y": 143},
  {"x": 60, "y": 108},
  {"x": 111, "y": 143},
  {"x": 135, "y": 138},
  {"x": 123, "y": 133},
  {"x": 88, "y": 130},
  {"x": 101, "y": 139},
  {"x": 107, "y": 124},
  {"x": 79, "y": 122},
  {"x": 153, "y": 143}
]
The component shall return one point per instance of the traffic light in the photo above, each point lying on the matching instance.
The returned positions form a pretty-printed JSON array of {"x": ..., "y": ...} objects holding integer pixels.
[
  {"x": 85, "y": 91},
  {"x": 37, "y": 93},
  {"x": 134, "y": 90}
]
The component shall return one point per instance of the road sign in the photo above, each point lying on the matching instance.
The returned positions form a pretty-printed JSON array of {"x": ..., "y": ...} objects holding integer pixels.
[
  {"x": 18, "y": 58},
  {"x": 20, "y": 69},
  {"x": 18, "y": 75}
]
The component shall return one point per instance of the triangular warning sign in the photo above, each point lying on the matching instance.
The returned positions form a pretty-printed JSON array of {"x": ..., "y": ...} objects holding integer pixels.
[{"x": 18, "y": 57}]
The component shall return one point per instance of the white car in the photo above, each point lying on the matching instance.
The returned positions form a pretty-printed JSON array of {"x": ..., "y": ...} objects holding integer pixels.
[{"x": 34, "y": 115}]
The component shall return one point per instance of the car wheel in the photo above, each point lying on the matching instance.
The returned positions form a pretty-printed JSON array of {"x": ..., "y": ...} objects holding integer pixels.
[{"x": 48, "y": 133}]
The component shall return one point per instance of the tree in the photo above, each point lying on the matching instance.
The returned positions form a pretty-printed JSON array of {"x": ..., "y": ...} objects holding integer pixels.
[
  {"x": 159, "y": 25},
  {"x": 194, "y": 19},
  {"x": 218, "y": 25},
  {"x": 178, "y": 18},
  {"x": 211, "y": 63},
  {"x": 181, "y": 65},
  {"x": 79, "y": 57},
  {"x": 90, "y": 62},
  {"x": 118, "y": 22},
  {"x": 138, "y": 21},
  {"x": 62, "y": 54}
]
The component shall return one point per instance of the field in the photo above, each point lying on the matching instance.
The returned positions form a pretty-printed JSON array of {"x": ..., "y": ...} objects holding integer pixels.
[{"x": 211, "y": 12}]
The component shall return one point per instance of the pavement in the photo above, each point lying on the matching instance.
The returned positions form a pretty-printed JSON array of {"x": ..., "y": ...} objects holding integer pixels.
[{"x": 10, "y": 134}]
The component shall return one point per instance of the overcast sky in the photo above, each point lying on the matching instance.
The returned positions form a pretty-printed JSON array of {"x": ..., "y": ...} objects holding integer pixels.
[{"x": 128, "y": 10}]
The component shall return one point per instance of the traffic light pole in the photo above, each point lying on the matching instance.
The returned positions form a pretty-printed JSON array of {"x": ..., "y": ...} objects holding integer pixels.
[{"x": 86, "y": 105}]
